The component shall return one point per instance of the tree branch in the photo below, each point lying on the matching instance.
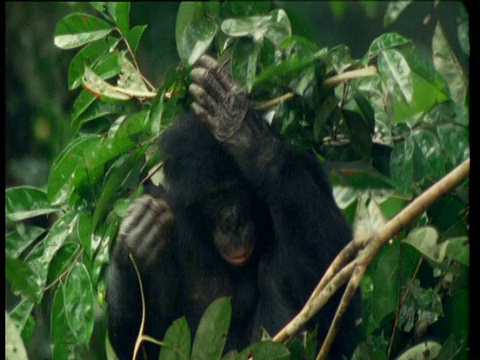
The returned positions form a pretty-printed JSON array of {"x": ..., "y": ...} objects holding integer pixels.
[{"x": 337, "y": 274}]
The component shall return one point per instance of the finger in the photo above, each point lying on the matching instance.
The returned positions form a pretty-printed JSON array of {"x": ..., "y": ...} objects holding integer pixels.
[
  {"x": 201, "y": 113},
  {"x": 134, "y": 214},
  {"x": 203, "y": 99},
  {"x": 220, "y": 73},
  {"x": 207, "y": 80}
]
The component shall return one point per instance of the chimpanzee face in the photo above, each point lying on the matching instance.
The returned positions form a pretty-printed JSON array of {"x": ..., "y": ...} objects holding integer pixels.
[{"x": 233, "y": 227}]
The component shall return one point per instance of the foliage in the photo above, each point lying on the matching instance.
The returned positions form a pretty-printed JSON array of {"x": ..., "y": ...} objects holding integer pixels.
[{"x": 390, "y": 135}]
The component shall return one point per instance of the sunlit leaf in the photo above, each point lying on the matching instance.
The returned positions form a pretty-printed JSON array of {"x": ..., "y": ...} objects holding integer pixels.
[
  {"x": 64, "y": 344},
  {"x": 62, "y": 261},
  {"x": 418, "y": 352},
  {"x": 78, "y": 29},
  {"x": 455, "y": 143},
  {"x": 60, "y": 181},
  {"x": 25, "y": 202},
  {"x": 431, "y": 163},
  {"x": 459, "y": 249},
  {"x": 14, "y": 347},
  {"x": 89, "y": 55},
  {"x": 42, "y": 254},
  {"x": 401, "y": 165},
  {"x": 385, "y": 42},
  {"x": 276, "y": 26},
  {"x": 425, "y": 239},
  {"x": 21, "y": 315},
  {"x": 394, "y": 10},
  {"x": 78, "y": 303},
  {"x": 130, "y": 80},
  {"x": 99, "y": 87},
  {"x": 126, "y": 166},
  {"x": 447, "y": 64},
  {"x": 193, "y": 32},
  {"x": 395, "y": 70},
  {"x": 18, "y": 240}
]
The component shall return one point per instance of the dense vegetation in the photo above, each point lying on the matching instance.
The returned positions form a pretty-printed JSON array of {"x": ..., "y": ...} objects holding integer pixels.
[{"x": 388, "y": 125}]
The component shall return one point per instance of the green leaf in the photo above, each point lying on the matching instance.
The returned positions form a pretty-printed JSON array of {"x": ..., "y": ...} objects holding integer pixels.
[
  {"x": 431, "y": 163},
  {"x": 212, "y": 331},
  {"x": 394, "y": 10},
  {"x": 84, "y": 233},
  {"x": 95, "y": 84},
  {"x": 447, "y": 64},
  {"x": 401, "y": 165},
  {"x": 102, "y": 241},
  {"x": 21, "y": 277},
  {"x": 134, "y": 35},
  {"x": 195, "y": 40},
  {"x": 275, "y": 27},
  {"x": 97, "y": 110},
  {"x": 284, "y": 71},
  {"x": 78, "y": 29},
  {"x": 25, "y": 202},
  {"x": 155, "y": 115},
  {"x": 60, "y": 181},
  {"x": 176, "y": 342},
  {"x": 117, "y": 175},
  {"x": 89, "y": 55},
  {"x": 131, "y": 80},
  {"x": 384, "y": 42},
  {"x": 78, "y": 304},
  {"x": 340, "y": 58},
  {"x": 264, "y": 350},
  {"x": 424, "y": 239},
  {"x": 62, "y": 260},
  {"x": 368, "y": 218},
  {"x": 459, "y": 249},
  {"x": 21, "y": 316},
  {"x": 14, "y": 347},
  {"x": 427, "y": 95},
  {"x": 417, "y": 352},
  {"x": 64, "y": 346},
  {"x": 189, "y": 14},
  {"x": 244, "y": 69},
  {"x": 360, "y": 120},
  {"x": 385, "y": 278},
  {"x": 38, "y": 260},
  {"x": 120, "y": 12},
  {"x": 455, "y": 143},
  {"x": 463, "y": 30},
  {"x": 396, "y": 73},
  {"x": 81, "y": 103},
  {"x": 18, "y": 240}
]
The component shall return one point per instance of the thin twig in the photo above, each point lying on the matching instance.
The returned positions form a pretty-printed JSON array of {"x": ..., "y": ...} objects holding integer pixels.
[
  {"x": 64, "y": 272},
  {"x": 139, "y": 339},
  {"x": 399, "y": 307}
]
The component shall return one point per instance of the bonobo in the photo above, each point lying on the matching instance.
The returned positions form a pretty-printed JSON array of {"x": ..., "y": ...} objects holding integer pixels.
[{"x": 243, "y": 215}]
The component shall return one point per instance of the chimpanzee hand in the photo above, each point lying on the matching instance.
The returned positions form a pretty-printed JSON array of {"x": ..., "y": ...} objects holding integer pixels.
[
  {"x": 219, "y": 101},
  {"x": 145, "y": 231}
]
